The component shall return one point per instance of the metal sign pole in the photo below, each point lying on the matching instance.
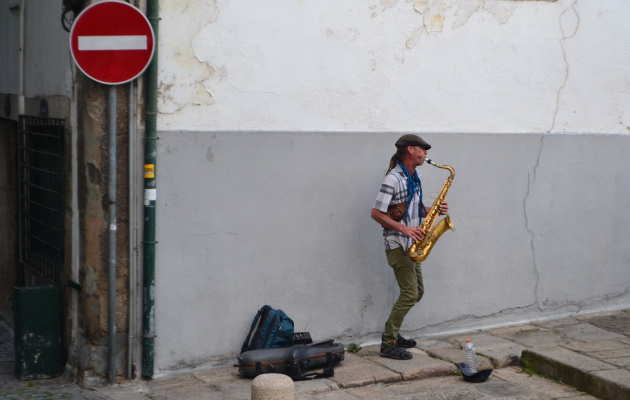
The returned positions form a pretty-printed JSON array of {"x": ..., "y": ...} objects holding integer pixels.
[{"x": 111, "y": 192}]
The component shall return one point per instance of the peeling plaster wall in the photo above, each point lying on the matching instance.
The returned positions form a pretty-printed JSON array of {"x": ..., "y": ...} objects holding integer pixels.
[
  {"x": 277, "y": 122},
  {"x": 435, "y": 65},
  {"x": 87, "y": 358}
]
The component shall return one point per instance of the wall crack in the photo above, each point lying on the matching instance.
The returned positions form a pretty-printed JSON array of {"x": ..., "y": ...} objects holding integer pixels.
[
  {"x": 565, "y": 19},
  {"x": 531, "y": 179},
  {"x": 470, "y": 316}
]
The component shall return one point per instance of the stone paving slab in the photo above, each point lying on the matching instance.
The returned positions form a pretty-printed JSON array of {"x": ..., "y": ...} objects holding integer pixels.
[
  {"x": 536, "y": 337},
  {"x": 546, "y": 388},
  {"x": 362, "y": 373},
  {"x": 12, "y": 388},
  {"x": 195, "y": 393},
  {"x": 451, "y": 387},
  {"x": 563, "y": 356},
  {"x": 174, "y": 381},
  {"x": 327, "y": 396},
  {"x": 368, "y": 392},
  {"x": 623, "y": 352},
  {"x": 135, "y": 390},
  {"x": 430, "y": 344},
  {"x": 415, "y": 351},
  {"x": 585, "y": 317},
  {"x": 592, "y": 375},
  {"x": 426, "y": 385},
  {"x": 622, "y": 362},
  {"x": 218, "y": 374},
  {"x": 614, "y": 384},
  {"x": 617, "y": 323},
  {"x": 419, "y": 367},
  {"x": 512, "y": 385},
  {"x": 509, "y": 330},
  {"x": 315, "y": 386},
  {"x": 557, "y": 323},
  {"x": 586, "y": 332},
  {"x": 238, "y": 389},
  {"x": 585, "y": 347},
  {"x": 506, "y": 390},
  {"x": 442, "y": 394}
]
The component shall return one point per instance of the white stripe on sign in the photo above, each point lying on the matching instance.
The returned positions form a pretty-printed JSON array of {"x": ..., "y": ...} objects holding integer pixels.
[{"x": 87, "y": 43}]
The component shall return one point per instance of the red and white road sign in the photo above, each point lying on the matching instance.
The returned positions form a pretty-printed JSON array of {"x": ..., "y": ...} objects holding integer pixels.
[{"x": 112, "y": 42}]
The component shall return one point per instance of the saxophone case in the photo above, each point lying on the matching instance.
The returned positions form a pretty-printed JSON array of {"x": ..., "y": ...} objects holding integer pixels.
[{"x": 291, "y": 360}]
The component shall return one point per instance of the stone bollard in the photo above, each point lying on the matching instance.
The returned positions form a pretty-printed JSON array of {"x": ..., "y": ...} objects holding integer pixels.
[{"x": 272, "y": 387}]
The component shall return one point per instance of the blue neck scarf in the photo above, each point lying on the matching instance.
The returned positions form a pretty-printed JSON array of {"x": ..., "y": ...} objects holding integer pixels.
[{"x": 413, "y": 186}]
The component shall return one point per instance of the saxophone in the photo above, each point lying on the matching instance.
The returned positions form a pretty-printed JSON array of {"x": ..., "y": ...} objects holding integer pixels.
[{"x": 420, "y": 249}]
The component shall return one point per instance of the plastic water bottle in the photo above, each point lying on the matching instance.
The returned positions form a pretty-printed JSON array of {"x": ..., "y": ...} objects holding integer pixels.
[{"x": 470, "y": 358}]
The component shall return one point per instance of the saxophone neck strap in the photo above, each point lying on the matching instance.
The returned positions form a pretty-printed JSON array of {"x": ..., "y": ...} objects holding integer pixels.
[{"x": 413, "y": 186}]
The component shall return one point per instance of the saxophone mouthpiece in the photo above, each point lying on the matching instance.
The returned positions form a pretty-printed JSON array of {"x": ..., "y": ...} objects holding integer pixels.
[{"x": 429, "y": 161}]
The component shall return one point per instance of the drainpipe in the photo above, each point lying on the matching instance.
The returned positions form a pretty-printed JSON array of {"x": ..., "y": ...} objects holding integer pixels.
[
  {"x": 150, "y": 195},
  {"x": 111, "y": 212},
  {"x": 21, "y": 102},
  {"x": 132, "y": 229}
]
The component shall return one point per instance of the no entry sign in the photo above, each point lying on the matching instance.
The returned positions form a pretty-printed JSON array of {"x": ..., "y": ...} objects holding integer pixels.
[{"x": 112, "y": 42}]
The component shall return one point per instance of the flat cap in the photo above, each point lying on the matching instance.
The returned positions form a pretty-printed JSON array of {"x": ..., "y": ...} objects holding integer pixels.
[{"x": 412, "y": 140}]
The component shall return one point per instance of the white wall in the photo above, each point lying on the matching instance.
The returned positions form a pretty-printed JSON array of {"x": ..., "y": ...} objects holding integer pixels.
[
  {"x": 277, "y": 121},
  {"x": 437, "y": 65}
]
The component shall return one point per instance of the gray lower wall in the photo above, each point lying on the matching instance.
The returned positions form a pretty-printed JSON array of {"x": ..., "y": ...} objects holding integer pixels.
[{"x": 246, "y": 219}]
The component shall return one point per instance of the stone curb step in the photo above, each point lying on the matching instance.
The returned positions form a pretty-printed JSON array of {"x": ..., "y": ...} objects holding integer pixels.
[
  {"x": 585, "y": 373},
  {"x": 358, "y": 371}
]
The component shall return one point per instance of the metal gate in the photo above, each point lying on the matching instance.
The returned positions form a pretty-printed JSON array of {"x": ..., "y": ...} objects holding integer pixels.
[{"x": 41, "y": 182}]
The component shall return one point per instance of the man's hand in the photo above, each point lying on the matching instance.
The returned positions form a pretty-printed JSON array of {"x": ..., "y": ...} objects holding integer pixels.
[
  {"x": 414, "y": 233},
  {"x": 387, "y": 222},
  {"x": 443, "y": 208}
]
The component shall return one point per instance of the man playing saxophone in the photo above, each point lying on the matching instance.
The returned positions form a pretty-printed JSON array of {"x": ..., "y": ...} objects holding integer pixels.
[{"x": 399, "y": 209}]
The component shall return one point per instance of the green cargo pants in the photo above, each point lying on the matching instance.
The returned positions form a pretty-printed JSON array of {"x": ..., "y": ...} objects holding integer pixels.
[{"x": 409, "y": 277}]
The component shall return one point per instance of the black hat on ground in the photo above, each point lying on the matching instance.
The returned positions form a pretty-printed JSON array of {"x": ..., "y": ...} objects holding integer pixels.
[
  {"x": 478, "y": 377},
  {"x": 412, "y": 140}
]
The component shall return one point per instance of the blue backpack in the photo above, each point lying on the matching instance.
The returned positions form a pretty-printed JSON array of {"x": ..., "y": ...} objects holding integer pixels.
[{"x": 273, "y": 328}]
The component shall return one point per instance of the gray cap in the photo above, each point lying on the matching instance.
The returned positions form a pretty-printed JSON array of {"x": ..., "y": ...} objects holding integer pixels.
[{"x": 412, "y": 140}]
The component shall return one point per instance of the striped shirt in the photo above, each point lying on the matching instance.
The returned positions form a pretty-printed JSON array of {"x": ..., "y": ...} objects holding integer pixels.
[{"x": 394, "y": 191}]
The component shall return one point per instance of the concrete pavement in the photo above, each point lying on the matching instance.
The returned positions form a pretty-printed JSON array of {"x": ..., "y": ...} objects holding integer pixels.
[{"x": 569, "y": 358}]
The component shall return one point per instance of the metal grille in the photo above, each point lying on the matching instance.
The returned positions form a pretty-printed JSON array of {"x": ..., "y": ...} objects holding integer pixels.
[{"x": 41, "y": 181}]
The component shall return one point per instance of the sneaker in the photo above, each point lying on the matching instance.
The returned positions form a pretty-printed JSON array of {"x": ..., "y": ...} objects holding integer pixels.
[
  {"x": 395, "y": 352},
  {"x": 405, "y": 343}
]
